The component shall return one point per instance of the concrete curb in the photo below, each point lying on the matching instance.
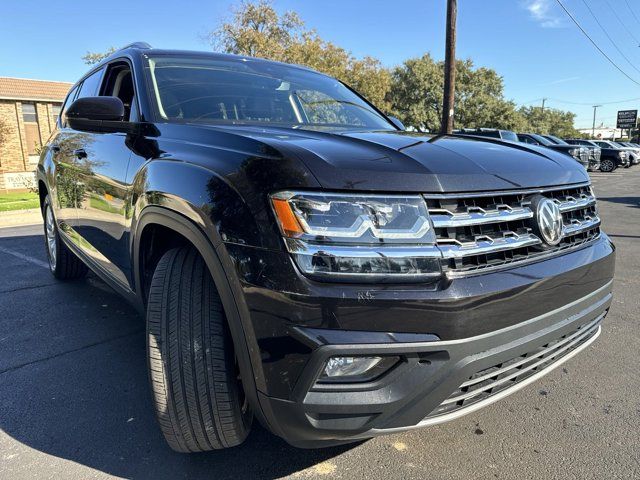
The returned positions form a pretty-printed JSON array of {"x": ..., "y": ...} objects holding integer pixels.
[{"x": 18, "y": 218}]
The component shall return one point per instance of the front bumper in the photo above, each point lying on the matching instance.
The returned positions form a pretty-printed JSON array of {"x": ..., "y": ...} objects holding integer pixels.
[
  {"x": 446, "y": 336},
  {"x": 431, "y": 384}
]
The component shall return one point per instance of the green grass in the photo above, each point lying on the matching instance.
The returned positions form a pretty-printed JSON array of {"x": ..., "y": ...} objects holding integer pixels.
[
  {"x": 100, "y": 203},
  {"x": 18, "y": 201}
]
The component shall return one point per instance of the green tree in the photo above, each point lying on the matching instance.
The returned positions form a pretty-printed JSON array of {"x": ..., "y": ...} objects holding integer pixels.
[
  {"x": 257, "y": 30},
  {"x": 91, "y": 58},
  {"x": 550, "y": 121},
  {"x": 417, "y": 89}
]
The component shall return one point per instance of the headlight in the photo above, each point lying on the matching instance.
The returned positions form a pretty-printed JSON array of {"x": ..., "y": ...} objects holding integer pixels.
[
  {"x": 622, "y": 155},
  {"x": 358, "y": 237}
]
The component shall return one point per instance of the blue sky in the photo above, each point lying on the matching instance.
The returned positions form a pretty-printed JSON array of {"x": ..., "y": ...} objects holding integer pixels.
[{"x": 531, "y": 43}]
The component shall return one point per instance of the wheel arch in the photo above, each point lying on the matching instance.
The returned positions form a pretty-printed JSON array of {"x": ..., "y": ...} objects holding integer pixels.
[{"x": 224, "y": 279}]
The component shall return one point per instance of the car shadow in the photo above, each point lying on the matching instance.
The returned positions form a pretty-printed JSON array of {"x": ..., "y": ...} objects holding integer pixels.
[
  {"x": 90, "y": 403},
  {"x": 630, "y": 201}
]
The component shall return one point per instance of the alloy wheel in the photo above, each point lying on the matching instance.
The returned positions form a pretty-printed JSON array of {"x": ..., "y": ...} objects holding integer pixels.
[
  {"x": 52, "y": 243},
  {"x": 606, "y": 165}
]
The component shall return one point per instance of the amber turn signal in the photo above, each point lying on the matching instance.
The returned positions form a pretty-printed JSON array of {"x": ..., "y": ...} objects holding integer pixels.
[{"x": 286, "y": 218}]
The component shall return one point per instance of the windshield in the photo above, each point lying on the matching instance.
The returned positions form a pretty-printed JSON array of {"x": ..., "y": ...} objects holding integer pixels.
[
  {"x": 509, "y": 135},
  {"x": 557, "y": 140},
  {"x": 240, "y": 91},
  {"x": 541, "y": 139}
]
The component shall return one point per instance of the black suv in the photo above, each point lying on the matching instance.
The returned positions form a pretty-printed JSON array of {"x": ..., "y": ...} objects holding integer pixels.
[
  {"x": 303, "y": 261},
  {"x": 580, "y": 154},
  {"x": 594, "y": 152},
  {"x": 611, "y": 157}
]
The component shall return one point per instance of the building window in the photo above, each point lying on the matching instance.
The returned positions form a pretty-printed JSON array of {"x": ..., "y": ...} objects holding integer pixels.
[
  {"x": 29, "y": 112},
  {"x": 55, "y": 113}
]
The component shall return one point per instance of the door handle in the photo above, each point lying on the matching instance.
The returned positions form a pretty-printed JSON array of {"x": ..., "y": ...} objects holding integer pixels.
[{"x": 80, "y": 153}]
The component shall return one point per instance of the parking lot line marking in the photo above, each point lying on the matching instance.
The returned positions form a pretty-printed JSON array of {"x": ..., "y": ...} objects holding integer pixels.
[{"x": 26, "y": 258}]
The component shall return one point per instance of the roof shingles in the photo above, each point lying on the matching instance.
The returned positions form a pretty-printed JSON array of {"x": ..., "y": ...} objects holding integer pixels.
[{"x": 23, "y": 89}]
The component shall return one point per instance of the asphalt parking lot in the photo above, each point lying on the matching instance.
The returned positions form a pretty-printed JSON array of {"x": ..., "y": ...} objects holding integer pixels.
[{"x": 74, "y": 400}]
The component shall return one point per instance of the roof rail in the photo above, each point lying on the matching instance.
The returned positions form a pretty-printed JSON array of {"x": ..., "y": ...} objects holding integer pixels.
[{"x": 143, "y": 45}]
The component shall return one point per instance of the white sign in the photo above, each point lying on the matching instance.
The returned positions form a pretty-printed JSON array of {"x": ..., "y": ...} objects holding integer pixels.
[{"x": 15, "y": 181}]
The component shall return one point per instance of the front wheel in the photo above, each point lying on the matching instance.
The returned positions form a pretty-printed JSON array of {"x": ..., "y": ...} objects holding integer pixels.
[
  {"x": 607, "y": 165},
  {"x": 195, "y": 380}
]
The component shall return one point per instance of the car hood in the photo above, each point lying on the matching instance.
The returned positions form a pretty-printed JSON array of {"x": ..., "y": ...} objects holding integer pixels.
[{"x": 405, "y": 161}]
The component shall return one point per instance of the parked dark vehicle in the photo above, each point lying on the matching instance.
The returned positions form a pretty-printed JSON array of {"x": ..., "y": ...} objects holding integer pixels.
[
  {"x": 579, "y": 154},
  {"x": 489, "y": 132},
  {"x": 632, "y": 158},
  {"x": 610, "y": 157},
  {"x": 594, "y": 152},
  {"x": 634, "y": 152},
  {"x": 303, "y": 261}
]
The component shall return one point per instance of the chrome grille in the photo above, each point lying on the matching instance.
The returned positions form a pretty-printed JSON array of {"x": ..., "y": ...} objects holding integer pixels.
[
  {"x": 503, "y": 376},
  {"x": 584, "y": 156},
  {"x": 479, "y": 231}
]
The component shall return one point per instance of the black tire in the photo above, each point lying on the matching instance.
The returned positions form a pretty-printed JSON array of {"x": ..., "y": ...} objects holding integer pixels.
[
  {"x": 607, "y": 165},
  {"x": 63, "y": 263},
  {"x": 196, "y": 387}
]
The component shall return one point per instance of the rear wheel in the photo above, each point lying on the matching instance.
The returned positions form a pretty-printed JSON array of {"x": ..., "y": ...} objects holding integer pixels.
[
  {"x": 63, "y": 263},
  {"x": 197, "y": 390},
  {"x": 607, "y": 165}
]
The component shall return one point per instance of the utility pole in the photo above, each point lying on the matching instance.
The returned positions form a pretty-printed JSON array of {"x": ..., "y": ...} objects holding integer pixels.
[
  {"x": 593, "y": 129},
  {"x": 449, "y": 69},
  {"x": 543, "y": 101}
]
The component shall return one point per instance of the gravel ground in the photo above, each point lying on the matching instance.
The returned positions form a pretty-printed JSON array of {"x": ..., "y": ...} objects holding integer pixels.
[{"x": 74, "y": 401}]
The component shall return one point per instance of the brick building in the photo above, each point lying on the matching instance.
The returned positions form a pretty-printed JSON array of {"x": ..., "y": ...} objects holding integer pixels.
[{"x": 28, "y": 112}]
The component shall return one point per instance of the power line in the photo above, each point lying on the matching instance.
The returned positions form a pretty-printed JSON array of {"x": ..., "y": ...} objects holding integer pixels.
[
  {"x": 591, "y": 103},
  {"x": 624, "y": 25},
  {"x": 631, "y": 10},
  {"x": 595, "y": 44},
  {"x": 609, "y": 36},
  {"x": 586, "y": 104}
]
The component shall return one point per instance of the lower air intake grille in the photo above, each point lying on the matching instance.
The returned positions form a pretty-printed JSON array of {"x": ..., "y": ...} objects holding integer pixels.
[{"x": 506, "y": 375}]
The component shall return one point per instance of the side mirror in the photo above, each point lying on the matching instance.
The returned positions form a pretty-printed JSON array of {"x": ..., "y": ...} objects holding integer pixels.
[
  {"x": 397, "y": 123},
  {"x": 97, "y": 114}
]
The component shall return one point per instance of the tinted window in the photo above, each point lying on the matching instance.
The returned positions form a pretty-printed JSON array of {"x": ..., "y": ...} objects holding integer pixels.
[
  {"x": 555, "y": 139},
  {"x": 90, "y": 85},
  {"x": 230, "y": 91},
  {"x": 525, "y": 139},
  {"x": 119, "y": 83}
]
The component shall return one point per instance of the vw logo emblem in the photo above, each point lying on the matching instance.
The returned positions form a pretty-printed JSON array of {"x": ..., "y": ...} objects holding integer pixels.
[{"x": 548, "y": 219}]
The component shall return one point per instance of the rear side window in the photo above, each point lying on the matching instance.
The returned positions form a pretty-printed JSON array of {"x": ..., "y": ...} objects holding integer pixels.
[{"x": 90, "y": 85}]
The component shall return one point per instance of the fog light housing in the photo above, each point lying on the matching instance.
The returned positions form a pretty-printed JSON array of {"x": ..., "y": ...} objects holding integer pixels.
[{"x": 349, "y": 369}]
